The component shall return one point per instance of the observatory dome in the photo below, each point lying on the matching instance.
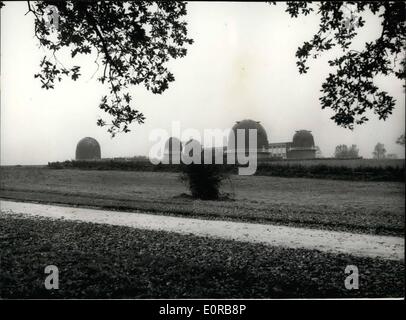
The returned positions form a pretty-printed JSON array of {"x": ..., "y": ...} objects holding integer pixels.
[
  {"x": 88, "y": 149},
  {"x": 303, "y": 139},
  {"x": 262, "y": 138}
]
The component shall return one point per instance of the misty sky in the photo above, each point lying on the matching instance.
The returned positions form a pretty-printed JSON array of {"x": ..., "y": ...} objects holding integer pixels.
[{"x": 242, "y": 65}]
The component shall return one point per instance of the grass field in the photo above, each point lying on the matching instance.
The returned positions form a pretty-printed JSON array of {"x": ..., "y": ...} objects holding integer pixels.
[
  {"x": 367, "y": 207},
  {"x": 100, "y": 261}
]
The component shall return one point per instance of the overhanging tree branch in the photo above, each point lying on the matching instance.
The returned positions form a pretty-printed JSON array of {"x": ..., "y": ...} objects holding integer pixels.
[{"x": 118, "y": 30}]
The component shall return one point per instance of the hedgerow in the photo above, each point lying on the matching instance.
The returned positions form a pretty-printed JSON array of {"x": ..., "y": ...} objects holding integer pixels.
[{"x": 319, "y": 171}]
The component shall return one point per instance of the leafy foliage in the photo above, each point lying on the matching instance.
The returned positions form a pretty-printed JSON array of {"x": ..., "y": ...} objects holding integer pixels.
[
  {"x": 133, "y": 41},
  {"x": 351, "y": 91},
  {"x": 204, "y": 180}
]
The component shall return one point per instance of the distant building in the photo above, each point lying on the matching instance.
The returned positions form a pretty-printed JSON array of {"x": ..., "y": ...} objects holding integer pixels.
[
  {"x": 88, "y": 149},
  {"x": 261, "y": 148},
  {"x": 302, "y": 146},
  {"x": 279, "y": 149}
]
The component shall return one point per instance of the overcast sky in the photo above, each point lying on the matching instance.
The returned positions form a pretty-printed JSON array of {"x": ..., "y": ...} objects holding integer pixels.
[{"x": 242, "y": 65}]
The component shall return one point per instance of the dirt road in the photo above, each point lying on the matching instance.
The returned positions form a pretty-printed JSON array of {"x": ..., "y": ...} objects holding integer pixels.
[{"x": 386, "y": 247}]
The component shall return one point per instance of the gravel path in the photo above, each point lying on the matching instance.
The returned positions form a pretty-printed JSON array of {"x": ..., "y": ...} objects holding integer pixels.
[{"x": 364, "y": 245}]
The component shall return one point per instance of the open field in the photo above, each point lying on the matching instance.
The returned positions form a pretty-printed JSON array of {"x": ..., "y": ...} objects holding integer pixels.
[
  {"x": 100, "y": 261},
  {"x": 366, "y": 207}
]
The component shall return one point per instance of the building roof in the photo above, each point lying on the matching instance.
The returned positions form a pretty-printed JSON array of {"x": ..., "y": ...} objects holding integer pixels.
[
  {"x": 280, "y": 144},
  {"x": 303, "y": 139},
  {"x": 246, "y": 125},
  {"x": 88, "y": 149}
]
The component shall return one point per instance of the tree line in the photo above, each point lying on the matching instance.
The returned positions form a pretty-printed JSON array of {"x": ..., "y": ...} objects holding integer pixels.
[{"x": 343, "y": 151}]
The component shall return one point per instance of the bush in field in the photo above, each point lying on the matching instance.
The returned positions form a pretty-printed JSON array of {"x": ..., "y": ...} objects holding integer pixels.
[{"x": 203, "y": 180}]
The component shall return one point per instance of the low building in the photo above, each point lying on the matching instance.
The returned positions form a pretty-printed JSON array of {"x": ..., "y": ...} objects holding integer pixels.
[{"x": 279, "y": 149}]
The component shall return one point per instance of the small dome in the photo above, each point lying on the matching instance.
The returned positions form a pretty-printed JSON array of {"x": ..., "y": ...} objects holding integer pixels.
[
  {"x": 173, "y": 145},
  {"x": 88, "y": 149},
  {"x": 303, "y": 139},
  {"x": 262, "y": 137}
]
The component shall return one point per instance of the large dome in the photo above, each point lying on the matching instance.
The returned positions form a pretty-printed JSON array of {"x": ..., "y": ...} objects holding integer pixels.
[
  {"x": 88, "y": 149},
  {"x": 262, "y": 138},
  {"x": 303, "y": 139}
]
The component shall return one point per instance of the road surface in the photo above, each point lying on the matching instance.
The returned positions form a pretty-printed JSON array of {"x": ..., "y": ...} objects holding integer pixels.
[{"x": 363, "y": 245}]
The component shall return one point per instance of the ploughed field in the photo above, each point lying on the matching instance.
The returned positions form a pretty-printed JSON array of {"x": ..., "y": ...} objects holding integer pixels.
[
  {"x": 356, "y": 206},
  {"x": 102, "y": 261}
]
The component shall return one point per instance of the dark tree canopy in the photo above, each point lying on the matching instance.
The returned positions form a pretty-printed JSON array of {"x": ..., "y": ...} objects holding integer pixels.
[
  {"x": 350, "y": 90},
  {"x": 133, "y": 41}
]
